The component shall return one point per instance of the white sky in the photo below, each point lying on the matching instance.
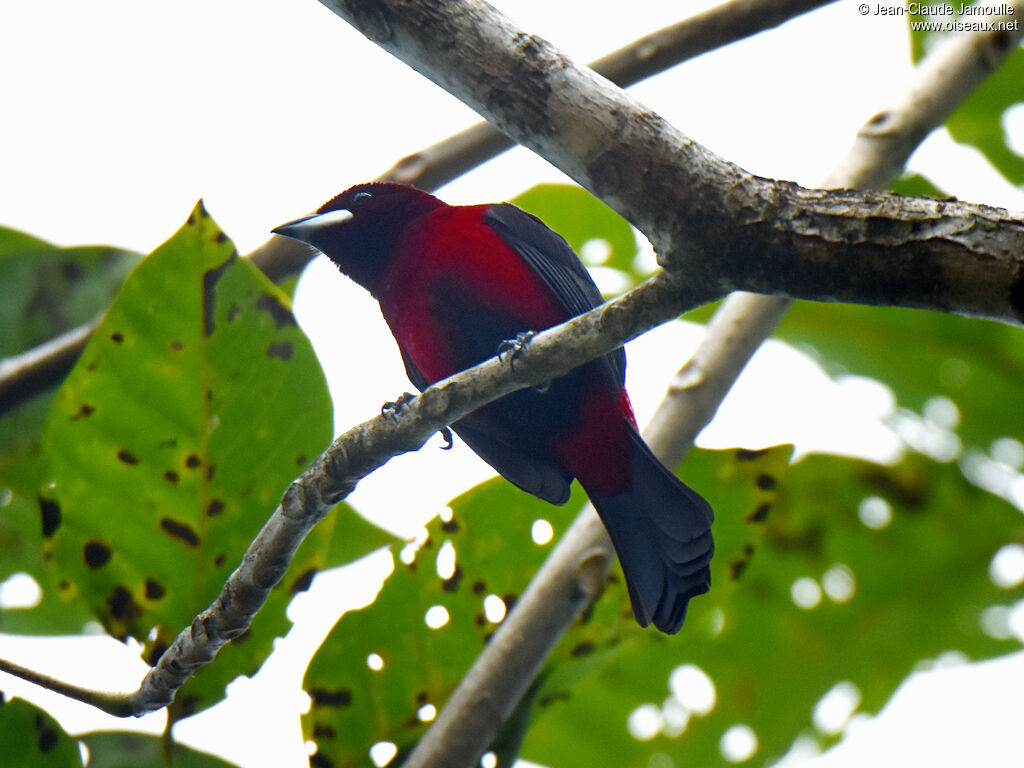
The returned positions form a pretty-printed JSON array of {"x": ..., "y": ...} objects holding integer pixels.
[{"x": 118, "y": 115}]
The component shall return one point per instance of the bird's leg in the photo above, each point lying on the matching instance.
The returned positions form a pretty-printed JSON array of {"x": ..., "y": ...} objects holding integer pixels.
[
  {"x": 512, "y": 348},
  {"x": 392, "y": 408}
]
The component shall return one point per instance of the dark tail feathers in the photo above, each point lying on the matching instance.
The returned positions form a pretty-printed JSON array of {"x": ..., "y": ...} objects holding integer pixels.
[{"x": 662, "y": 533}]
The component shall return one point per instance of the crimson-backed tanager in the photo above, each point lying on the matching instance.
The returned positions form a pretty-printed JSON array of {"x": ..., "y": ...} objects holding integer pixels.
[{"x": 454, "y": 283}]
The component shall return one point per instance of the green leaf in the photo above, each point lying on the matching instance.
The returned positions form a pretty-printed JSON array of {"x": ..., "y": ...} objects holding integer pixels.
[
  {"x": 978, "y": 120},
  {"x": 30, "y": 738},
  {"x": 979, "y": 365},
  {"x": 44, "y": 291},
  {"x": 889, "y": 599},
  {"x": 12, "y": 241},
  {"x": 916, "y": 184},
  {"x": 137, "y": 750},
  {"x": 356, "y": 705},
  {"x": 21, "y": 550},
  {"x": 194, "y": 404},
  {"x": 580, "y": 217}
]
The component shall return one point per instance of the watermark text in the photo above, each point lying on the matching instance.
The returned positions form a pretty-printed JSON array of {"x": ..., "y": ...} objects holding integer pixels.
[{"x": 946, "y": 17}]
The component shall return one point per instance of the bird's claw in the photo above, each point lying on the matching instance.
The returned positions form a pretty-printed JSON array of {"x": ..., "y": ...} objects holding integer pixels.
[
  {"x": 392, "y": 408},
  {"x": 512, "y": 348}
]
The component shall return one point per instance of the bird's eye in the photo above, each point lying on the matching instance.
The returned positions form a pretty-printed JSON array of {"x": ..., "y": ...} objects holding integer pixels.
[{"x": 360, "y": 197}]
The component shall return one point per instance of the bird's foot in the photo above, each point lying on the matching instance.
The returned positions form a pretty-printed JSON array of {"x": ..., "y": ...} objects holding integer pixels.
[
  {"x": 392, "y": 408},
  {"x": 512, "y": 348}
]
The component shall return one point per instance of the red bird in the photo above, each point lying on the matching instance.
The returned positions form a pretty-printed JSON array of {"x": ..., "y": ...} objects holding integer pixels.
[{"x": 453, "y": 283}]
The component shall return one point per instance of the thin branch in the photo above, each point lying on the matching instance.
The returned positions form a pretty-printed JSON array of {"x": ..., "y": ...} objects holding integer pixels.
[
  {"x": 40, "y": 368},
  {"x": 112, "y": 703},
  {"x": 29, "y": 374}
]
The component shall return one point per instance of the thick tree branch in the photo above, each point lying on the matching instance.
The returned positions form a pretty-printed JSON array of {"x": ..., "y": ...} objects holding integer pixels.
[
  {"x": 867, "y": 248},
  {"x": 724, "y": 226},
  {"x": 436, "y": 165},
  {"x": 46, "y": 366}
]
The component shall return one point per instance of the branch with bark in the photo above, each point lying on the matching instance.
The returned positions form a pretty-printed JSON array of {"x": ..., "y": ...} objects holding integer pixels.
[{"x": 722, "y": 225}]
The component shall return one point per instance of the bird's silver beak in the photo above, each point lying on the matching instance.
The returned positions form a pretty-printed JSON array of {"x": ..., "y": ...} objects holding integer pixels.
[{"x": 307, "y": 228}]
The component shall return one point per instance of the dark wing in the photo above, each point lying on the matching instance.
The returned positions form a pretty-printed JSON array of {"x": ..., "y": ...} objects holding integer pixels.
[
  {"x": 544, "y": 479},
  {"x": 554, "y": 261}
]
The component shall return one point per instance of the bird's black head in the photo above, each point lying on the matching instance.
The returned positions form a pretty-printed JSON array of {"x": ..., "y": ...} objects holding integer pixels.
[{"x": 359, "y": 228}]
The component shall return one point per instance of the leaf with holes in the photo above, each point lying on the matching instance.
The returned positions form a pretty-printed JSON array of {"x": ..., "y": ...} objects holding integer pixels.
[
  {"x": 833, "y": 599},
  {"x": 194, "y": 404},
  {"x": 45, "y": 290},
  {"x": 385, "y": 669},
  {"x": 381, "y": 666}
]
